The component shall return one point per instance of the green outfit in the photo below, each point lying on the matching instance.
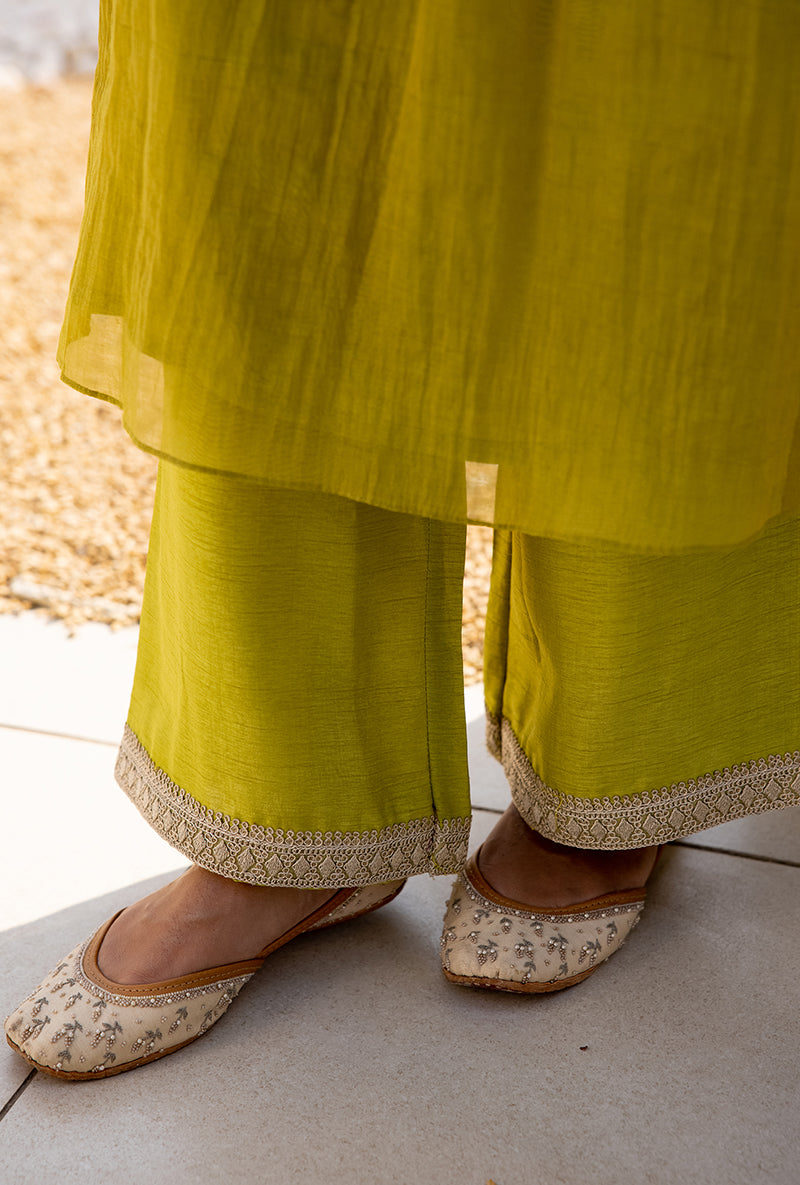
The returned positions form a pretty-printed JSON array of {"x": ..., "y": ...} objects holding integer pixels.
[{"x": 536, "y": 268}]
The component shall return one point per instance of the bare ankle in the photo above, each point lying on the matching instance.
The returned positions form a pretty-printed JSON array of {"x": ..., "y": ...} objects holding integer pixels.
[{"x": 527, "y": 867}]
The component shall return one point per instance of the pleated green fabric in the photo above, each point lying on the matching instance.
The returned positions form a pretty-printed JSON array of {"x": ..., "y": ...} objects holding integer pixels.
[{"x": 535, "y": 264}]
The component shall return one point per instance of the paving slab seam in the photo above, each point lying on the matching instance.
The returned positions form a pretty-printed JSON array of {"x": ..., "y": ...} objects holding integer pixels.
[
  {"x": 701, "y": 847},
  {"x": 64, "y": 736},
  {"x": 24, "y": 1086}
]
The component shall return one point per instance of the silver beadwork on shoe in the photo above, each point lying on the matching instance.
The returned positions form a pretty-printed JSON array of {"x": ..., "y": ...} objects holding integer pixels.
[
  {"x": 60, "y": 1029},
  {"x": 489, "y": 941}
]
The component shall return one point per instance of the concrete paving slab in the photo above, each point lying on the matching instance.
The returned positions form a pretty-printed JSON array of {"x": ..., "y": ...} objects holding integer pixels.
[
  {"x": 13, "y": 1072},
  {"x": 350, "y": 1059},
  {"x": 78, "y": 686},
  {"x": 73, "y": 833}
]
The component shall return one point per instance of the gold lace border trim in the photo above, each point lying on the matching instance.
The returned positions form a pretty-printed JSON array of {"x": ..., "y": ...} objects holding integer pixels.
[
  {"x": 651, "y": 817},
  {"x": 269, "y": 856}
]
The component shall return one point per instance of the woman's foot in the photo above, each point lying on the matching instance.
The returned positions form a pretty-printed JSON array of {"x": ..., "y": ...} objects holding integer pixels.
[
  {"x": 198, "y": 921},
  {"x": 524, "y": 866},
  {"x": 512, "y": 924},
  {"x": 193, "y": 943}
]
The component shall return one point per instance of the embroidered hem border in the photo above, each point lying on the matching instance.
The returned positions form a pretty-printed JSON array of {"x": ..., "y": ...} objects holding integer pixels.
[
  {"x": 268, "y": 856},
  {"x": 652, "y": 817}
]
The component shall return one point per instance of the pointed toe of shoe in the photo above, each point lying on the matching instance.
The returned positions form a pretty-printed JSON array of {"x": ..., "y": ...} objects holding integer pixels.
[
  {"x": 492, "y": 942},
  {"x": 77, "y": 1024}
]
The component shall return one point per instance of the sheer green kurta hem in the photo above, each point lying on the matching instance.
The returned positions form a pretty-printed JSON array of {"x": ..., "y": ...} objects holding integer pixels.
[
  {"x": 642, "y": 820},
  {"x": 451, "y": 264},
  {"x": 259, "y": 855}
]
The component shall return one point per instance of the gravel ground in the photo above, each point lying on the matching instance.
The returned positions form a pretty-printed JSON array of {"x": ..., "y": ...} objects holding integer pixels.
[{"x": 76, "y": 494}]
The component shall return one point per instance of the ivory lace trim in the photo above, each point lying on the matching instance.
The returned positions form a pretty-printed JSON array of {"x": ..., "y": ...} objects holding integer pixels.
[
  {"x": 269, "y": 856},
  {"x": 655, "y": 816}
]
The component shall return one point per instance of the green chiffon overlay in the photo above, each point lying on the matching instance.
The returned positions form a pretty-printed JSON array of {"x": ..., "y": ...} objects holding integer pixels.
[{"x": 535, "y": 264}]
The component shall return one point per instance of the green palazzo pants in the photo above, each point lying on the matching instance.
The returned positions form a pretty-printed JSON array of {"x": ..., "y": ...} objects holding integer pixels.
[{"x": 297, "y": 715}]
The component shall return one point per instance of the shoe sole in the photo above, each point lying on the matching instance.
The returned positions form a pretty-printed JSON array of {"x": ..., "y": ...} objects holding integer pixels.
[{"x": 512, "y": 985}]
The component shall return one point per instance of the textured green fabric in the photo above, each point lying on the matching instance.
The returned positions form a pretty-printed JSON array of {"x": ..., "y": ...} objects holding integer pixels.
[
  {"x": 297, "y": 713},
  {"x": 299, "y": 663},
  {"x": 535, "y": 264},
  {"x": 622, "y": 674}
]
